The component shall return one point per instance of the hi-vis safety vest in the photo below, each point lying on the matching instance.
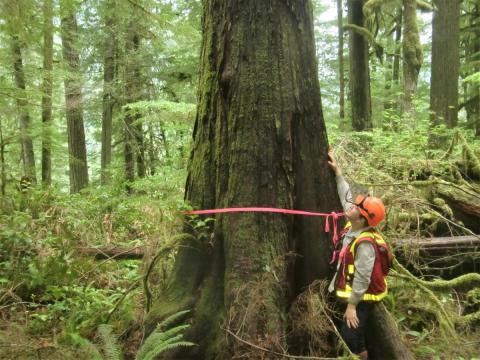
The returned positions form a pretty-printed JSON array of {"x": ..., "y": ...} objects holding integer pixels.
[{"x": 377, "y": 289}]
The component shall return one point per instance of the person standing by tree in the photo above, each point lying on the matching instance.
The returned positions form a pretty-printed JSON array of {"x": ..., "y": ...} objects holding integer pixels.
[{"x": 362, "y": 265}]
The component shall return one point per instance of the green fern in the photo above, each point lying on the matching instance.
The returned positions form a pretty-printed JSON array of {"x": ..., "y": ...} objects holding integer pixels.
[
  {"x": 162, "y": 340},
  {"x": 110, "y": 344}
]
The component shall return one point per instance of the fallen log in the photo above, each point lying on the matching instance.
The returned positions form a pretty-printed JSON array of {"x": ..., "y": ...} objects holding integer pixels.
[
  {"x": 463, "y": 243},
  {"x": 114, "y": 253}
]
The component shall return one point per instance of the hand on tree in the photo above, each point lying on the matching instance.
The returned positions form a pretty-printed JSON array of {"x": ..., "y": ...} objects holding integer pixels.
[
  {"x": 350, "y": 316},
  {"x": 333, "y": 163}
]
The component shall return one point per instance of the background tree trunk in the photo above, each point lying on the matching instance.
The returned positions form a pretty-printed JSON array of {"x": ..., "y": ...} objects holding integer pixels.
[
  {"x": 73, "y": 102},
  {"x": 108, "y": 89},
  {"x": 398, "y": 39},
  {"x": 3, "y": 173},
  {"x": 47, "y": 91},
  {"x": 28, "y": 155},
  {"x": 472, "y": 50},
  {"x": 341, "y": 72},
  {"x": 359, "y": 75},
  {"x": 445, "y": 63},
  {"x": 132, "y": 91},
  {"x": 412, "y": 53}
]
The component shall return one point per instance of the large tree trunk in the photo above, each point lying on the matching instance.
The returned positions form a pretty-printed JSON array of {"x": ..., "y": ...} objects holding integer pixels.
[
  {"x": 108, "y": 86},
  {"x": 259, "y": 140},
  {"x": 359, "y": 75},
  {"x": 341, "y": 72},
  {"x": 412, "y": 53},
  {"x": 73, "y": 103},
  {"x": 47, "y": 91},
  {"x": 445, "y": 63}
]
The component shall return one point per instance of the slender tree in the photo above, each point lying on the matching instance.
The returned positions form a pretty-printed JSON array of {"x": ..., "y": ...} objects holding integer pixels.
[
  {"x": 15, "y": 26},
  {"x": 341, "y": 74},
  {"x": 108, "y": 88},
  {"x": 359, "y": 75},
  {"x": 445, "y": 63},
  {"x": 412, "y": 53},
  {"x": 398, "y": 39},
  {"x": 131, "y": 91},
  {"x": 47, "y": 91},
  {"x": 73, "y": 101}
]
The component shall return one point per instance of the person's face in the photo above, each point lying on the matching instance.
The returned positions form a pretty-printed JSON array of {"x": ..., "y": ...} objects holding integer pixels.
[{"x": 353, "y": 214}]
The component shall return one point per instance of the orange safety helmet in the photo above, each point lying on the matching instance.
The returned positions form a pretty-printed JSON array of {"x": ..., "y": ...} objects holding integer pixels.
[{"x": 371, "y": 208}]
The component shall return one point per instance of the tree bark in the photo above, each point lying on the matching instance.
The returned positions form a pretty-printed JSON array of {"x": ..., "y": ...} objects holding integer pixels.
[
  {"x": 47, "y": 91},
  {"x": 108, "y": 89},
  {"x": 472, "y": 50},
  {"x": 359, "y": 75},
  {"x": 132, "y": 94},
  {"x": 398, "y": 39},
  {"x": 341, "y": 72},
  {"x": 73, "y": 103},
  {"x": 14, "y": 19},
  {"x": 28, "y": 155},
  {"x": 412, "y": 54},
  {"x": 445, "y": 63},
  {"x": 3, "y": 173}
]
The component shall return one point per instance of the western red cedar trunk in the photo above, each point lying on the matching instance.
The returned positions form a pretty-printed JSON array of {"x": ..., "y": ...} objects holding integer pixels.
[
  {"x": 445, "y": 63},
  {"x": 73, "y": 103},
  {"x": 259, "y": 140},
  {"x": 472, "y": 50},
  {"x": 108, "y": 87},
  {"x": 359, "y": 75}
]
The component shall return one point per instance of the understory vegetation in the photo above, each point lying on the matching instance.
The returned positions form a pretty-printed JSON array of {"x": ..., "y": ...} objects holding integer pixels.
[{"x": 54, "y": 298}]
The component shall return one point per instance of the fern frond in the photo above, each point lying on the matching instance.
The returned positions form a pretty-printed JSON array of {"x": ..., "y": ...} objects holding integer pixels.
[
  {"x": 169, "y": 320},
  {"x": 166, "y": 347},
  {"x": 109, "y": 341}
]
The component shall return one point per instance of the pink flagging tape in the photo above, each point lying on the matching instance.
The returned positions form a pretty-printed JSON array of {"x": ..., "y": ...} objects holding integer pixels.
[{"x": 333, "y": 215}]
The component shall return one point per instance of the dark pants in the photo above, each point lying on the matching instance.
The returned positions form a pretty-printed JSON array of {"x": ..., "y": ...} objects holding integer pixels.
[{"x": 355, "y": 338}]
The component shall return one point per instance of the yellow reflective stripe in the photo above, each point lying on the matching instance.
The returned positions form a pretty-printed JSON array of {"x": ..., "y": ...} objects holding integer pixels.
[
  {"x": 351, "y": 269},
  {"x": 347, "y": 225},
  {"x": 345, "y": 294}
]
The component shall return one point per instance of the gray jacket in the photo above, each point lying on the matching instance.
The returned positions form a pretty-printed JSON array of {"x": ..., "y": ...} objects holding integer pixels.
[{"x": 364, "y": 255}]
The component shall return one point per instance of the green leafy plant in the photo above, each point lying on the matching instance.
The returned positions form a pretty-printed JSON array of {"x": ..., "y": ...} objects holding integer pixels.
[{"x": 164, "y": 338}]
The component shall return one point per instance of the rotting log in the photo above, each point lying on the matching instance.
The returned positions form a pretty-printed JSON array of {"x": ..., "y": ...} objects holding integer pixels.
[
  {"x": 114, "y": 253},
  {"x": 464, "y": 204}
]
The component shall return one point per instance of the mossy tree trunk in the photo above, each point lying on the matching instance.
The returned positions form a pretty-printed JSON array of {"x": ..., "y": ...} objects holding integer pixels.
[
  {"x": 259, "y": 140},
  {"x": 359, "y": 75},
  {"x": 73, "y": 101},
  {"x": 412, "y": 53},
  {"x": 47, "y": 92},
  {"x": 445, "y": 63}
]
